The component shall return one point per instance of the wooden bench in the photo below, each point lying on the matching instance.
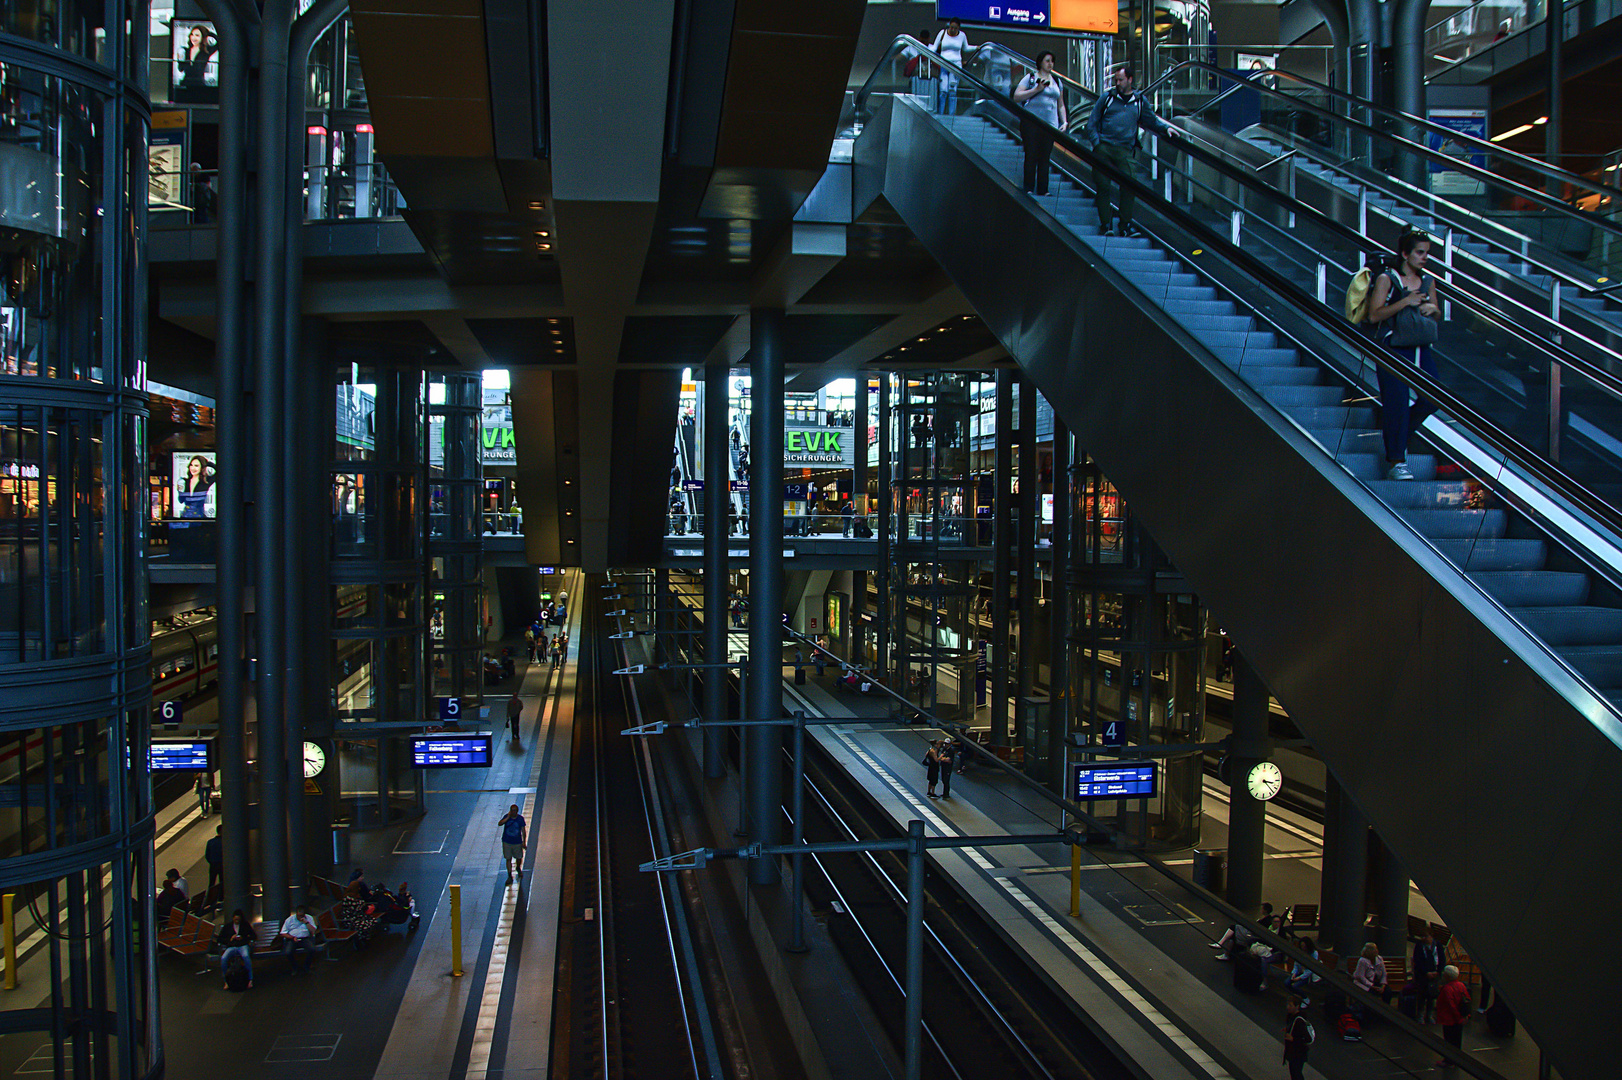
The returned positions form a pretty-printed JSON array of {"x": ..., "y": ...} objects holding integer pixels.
[
  {"x": 324, "y": 892},
  {"x": 195, "y": 937},
  {"x": 1396, "y": 975},
  {"x": 172, "y": 928},
  {"x": 1301, "y": 917},
  {"x": 267, "y": 940},
  {"x": 328, "y": 922}
]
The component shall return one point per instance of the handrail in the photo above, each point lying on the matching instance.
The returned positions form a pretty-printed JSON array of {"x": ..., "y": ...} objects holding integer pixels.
[
  {"x": 1549, "y": 474},
  {"x": 1409, "y": 119},
  {"x": 1599, "y": 376}
]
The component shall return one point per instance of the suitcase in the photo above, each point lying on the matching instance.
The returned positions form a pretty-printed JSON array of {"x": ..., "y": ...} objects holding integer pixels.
[{"x": 1500, "y": 1020}]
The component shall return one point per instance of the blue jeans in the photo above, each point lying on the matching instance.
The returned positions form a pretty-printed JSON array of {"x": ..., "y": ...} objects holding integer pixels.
[
  {"x": 946, "y": 94},
  {"x": 1398, "y": 415},
  {"x": 242, "y": 951}
]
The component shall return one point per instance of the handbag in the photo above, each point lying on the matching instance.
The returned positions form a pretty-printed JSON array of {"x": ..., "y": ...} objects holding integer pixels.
[{"x": 1410, "y": 329}]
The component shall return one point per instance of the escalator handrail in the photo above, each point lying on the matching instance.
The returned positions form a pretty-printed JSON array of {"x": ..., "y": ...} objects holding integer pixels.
[
  {"x": 1549, "y": 475},
  {"x": 1483, "y": 146},
  {"x": 1480, "y": 307}
]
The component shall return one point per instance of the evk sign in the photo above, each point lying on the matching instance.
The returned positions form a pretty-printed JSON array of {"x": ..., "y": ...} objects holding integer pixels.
[{"x": 828, "y": 447}]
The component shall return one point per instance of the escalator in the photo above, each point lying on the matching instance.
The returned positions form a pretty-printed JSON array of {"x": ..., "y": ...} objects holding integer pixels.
[{"x": 1451, "y": 645}]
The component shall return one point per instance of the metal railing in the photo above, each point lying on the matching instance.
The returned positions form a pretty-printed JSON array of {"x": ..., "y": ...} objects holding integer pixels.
[{"x": 331, "y": 193}]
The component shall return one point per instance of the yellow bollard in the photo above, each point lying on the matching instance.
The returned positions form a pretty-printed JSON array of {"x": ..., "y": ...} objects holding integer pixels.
[
  {"x": 1075, "y": 881},
  {"x": 10, "y": 931},
  {"x": 456, "y": 931}
]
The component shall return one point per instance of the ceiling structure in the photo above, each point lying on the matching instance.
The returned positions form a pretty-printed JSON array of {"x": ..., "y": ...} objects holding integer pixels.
[{"x": 598, "y": 195}]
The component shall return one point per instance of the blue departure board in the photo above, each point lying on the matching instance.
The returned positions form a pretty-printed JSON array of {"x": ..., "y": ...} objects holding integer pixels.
[
  {"x": 1126, "y": 781},
  {"x": 189, "y": 754},
  {"x": 450, "y": 751}
]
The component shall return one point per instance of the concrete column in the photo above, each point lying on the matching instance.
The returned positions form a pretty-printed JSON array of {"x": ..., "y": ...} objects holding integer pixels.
[
  {"x": 1327, "y": 896},
  {"x": 1002, "y": 539},
  {"x": 858, "y": 599},
  {"x": 765, "y": 768},
  {"x": 1391, "y": 889},
  {"x": 1030, "y": 502},
  {"x": 1059, "y": 610},
  {"x": 1349, "y": 879},
  {"x": 716, "y": 497},
  {"x": 886, "y": 523},
  {"x": 1247, "y": 817}
]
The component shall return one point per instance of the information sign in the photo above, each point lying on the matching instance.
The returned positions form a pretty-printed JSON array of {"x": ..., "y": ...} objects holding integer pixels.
[
  {"x": 1114, "y": 733},
  {"x": 450, "y": 751},
  {"x": 1131, "y": 781},
  {"x": 173, "y": 754},
  {"x": 450, "y": 710},
  {"x": 170, "y": 713},
  {"x": 1080, "y": 16}
]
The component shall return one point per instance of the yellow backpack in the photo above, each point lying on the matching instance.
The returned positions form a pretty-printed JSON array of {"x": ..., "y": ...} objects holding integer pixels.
[{"x": 1357, "y": 296}]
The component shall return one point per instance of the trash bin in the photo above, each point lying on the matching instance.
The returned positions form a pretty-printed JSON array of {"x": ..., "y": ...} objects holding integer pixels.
[
  {"x": 340, "y": 843},
  {"x": 1208, "y": 869}
]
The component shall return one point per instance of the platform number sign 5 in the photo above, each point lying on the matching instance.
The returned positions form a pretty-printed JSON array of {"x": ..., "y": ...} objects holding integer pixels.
[
  {"x": 450, "y": 709},
  {"x": 1114, "y": 733},
  {"x": 169, "y": 713}
]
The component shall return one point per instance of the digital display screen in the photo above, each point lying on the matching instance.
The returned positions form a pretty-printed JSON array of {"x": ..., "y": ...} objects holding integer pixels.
[
  {"x": 1133, "y": 781},
  {"x": 191, "y": 754},
  {"x": 193, "y": 475},
  {"x": 450, "y": 751}
]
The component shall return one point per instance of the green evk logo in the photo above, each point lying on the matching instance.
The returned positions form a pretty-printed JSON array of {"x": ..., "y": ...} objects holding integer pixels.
[
  {"x": 494, "y": 436},
  {"x": 812, "y": 442}
]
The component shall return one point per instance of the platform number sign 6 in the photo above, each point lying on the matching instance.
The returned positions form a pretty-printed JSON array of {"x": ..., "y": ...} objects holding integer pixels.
[
  {"x": 169, "y": 713},
  {"x": 1114, "y": 733},
  {"x": 450, "y": 709}
]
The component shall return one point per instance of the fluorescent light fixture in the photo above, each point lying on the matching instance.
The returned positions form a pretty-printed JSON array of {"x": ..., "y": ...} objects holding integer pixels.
[
  {"x": 1511, "y": 133},
  {"x": 1541, "y": 120},
  {"x": 1443, "y": 59}
]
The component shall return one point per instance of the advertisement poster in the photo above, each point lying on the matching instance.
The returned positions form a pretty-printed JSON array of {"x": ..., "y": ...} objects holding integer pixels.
[
  {"x": 165, "y": 167},
  {"x": 195, "y": 74},
  {"x": 192, "y": 472},
  {"x": 1471, "y": 122}
]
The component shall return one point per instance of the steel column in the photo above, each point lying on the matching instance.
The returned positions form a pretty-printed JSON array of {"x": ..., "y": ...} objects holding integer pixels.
[
  {"x": 1554, "y": 50},
  {"x": 765, "y": 770},
  {"x": 881, "y": 663},
  {"x": 716, "y": 495},
  {"x": 1001, "y": 539},
  {"x": 1247, "y": 817},
  {"x": 1030, "y": 489},
  {"x": 857, "y": 625},
  {"x": 1392, "y": 892},
  {"x": 913, "y": 1026},
  {"x": 1346, "y": 934},
  {"x": 1059, "y": 610}
]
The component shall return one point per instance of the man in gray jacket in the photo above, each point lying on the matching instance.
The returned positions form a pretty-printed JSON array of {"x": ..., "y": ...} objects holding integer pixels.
[{"x": 1113, "y": 128}]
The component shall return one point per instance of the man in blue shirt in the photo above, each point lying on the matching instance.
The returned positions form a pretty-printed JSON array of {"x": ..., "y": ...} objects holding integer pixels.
[
  {"x": 1113, "y": 129},
  {"x": 513, "y": 834}
]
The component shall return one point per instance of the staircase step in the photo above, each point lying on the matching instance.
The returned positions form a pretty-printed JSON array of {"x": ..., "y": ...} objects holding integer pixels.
[{"x": 1533, "y": 588}]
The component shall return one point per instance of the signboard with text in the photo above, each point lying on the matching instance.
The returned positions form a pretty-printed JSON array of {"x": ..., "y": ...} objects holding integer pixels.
[
  {"x": 1128, "y": 781},
  {"x": 183, "y": 754},
  {"x": 1073, "y": 16},
  {"x": 831, "y": 447},
  {"x": 450, "y": 751}
]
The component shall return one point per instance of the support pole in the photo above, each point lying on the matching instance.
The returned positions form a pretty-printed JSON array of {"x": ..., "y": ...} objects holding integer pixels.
[
  {"x": 663, "y": 616},
  {"x": 1030, "y": 488},
  {"x": 456, "y": 931},
  {"x": 914, "y": 1024},
  {"x": 1059, "y": 610},
  {"x": 9, "y": 921},
  {"x": 1346, "y": 934},
  {"x": 797, "y": 808},
  {"x": 269, "y": 506},
  {"x": 716, "y": 494},
  {"x": 857, "y": 622},
  {"x": 1247, "y": 816},
  {"x": 881, "y": 663},
  {"x": 1392, "y": 890},
  {"x": 1554, "y": 52},
  {"x": 231, "y": 417},
  {"x": 765, "y": 773},
  {"x": 1075, "y": 881},
  {"x": 1002, "y": 539}
]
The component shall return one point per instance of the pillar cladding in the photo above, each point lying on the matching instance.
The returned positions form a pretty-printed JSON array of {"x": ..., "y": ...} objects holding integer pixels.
[
  {"x": 765, "y": 771},
  {"x": 716, "y": 496},
  {"x": 881, "y": 662},
  {"x": 1029, "y": 508},
  {"x": 1247, "y": 816},
  {"x": 1002, "y": 535}
]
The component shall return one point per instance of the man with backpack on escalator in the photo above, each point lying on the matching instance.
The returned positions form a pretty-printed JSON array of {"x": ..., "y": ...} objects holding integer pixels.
[{"x": 1113, "y": 130}]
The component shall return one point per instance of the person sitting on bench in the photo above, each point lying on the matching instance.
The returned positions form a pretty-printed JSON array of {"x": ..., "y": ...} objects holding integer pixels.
[{"x": 298, "y": 936}]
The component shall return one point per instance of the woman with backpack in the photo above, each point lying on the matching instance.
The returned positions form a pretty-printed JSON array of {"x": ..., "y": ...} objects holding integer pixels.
[
  {"x": 1402, "y": 304},
  {"x": 1298, "y": 1038}
]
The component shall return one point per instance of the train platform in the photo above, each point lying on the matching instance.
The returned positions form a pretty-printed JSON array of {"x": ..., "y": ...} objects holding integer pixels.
[
  {"x": 393, "y": 1009},
  {"x": 1137, "y": 963}
]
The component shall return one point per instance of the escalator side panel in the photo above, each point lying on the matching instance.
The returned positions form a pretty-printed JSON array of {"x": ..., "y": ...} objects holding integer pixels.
[{"x": 1491, "y": 772}]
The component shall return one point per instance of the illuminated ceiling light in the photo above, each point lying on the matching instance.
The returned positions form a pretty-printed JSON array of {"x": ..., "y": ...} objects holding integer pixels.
[
  {"x": 542, "y": 232},
  {"x": 546, "y": 247},
  {"x": 1541, "y": 120},
  {"x": 1443, "y": 59},
  {"x": 1511, "y": 133},
  {"x": 363, "y": 129},
  {"x": 537, "y": 205}
]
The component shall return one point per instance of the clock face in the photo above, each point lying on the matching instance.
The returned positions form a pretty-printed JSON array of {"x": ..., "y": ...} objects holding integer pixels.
[
  {"x": 1265, "y": 781},
  {"x": 315, "y": 759}
]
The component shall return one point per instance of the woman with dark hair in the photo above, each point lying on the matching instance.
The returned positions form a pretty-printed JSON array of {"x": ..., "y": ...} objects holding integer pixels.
[
  {"x": 1043, "y": 99},
  {"x": 194, "y": 59},
  {"x": 1403, "y": 304},
  {"x": 195, "y": 490}
]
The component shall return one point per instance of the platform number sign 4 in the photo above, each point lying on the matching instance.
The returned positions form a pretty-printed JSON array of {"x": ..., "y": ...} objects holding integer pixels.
[
  {"x": 450, "y": 709},
  {"x": 1114, "y": 733},
  {"x": 169, "y": 713}
]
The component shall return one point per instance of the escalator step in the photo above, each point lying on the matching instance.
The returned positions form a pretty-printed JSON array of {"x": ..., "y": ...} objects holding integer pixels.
[
  {"x": 1372, "y": 467},
  {"x": 1423, "y": 494},
  {"x": 1246, "y": 359},
  {"x": 1599, "y": 664},
  {"x": 1458, "y": 524},
  {"x": 1340, "y": 442},
  {"x": 1325, "y": 417},
  {"x": 1192, "y": 293},
  {"x": 1280, "y": 375},
  {"x": 1533, "y": 588},
  {"x": 1492, "y": 554},
  {"x": 1563, "y": 626},
  {"x": 1285, "y": 397},
  {"x": 1204, "y": 325}
]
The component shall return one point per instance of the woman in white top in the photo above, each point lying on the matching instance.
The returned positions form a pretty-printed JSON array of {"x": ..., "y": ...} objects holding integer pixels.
[
  {"x": 1043, "y": 99},
  {"x": 949, "y": 45}
]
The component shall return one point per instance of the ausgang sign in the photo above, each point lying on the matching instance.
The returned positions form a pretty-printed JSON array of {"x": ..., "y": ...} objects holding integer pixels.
[{"x": 825, "y": 446}]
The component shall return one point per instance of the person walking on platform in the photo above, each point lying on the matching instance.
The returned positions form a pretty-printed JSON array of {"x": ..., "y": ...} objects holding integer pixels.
[
  {"x": 557, "y": 649},
  {"x": 214, "y": 855},
  {"x": 932, "y": 766},
  {"x": 1298, "y": 1037},
  {"x": 947, "y": 755},
  {"x": 529, "y": 641},
  {"x": 205, "y": 792},
  {"x": 514, "y": 832},
  {"x": 1113, "y": 130},
  {"x": 515, "y": 709}
]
